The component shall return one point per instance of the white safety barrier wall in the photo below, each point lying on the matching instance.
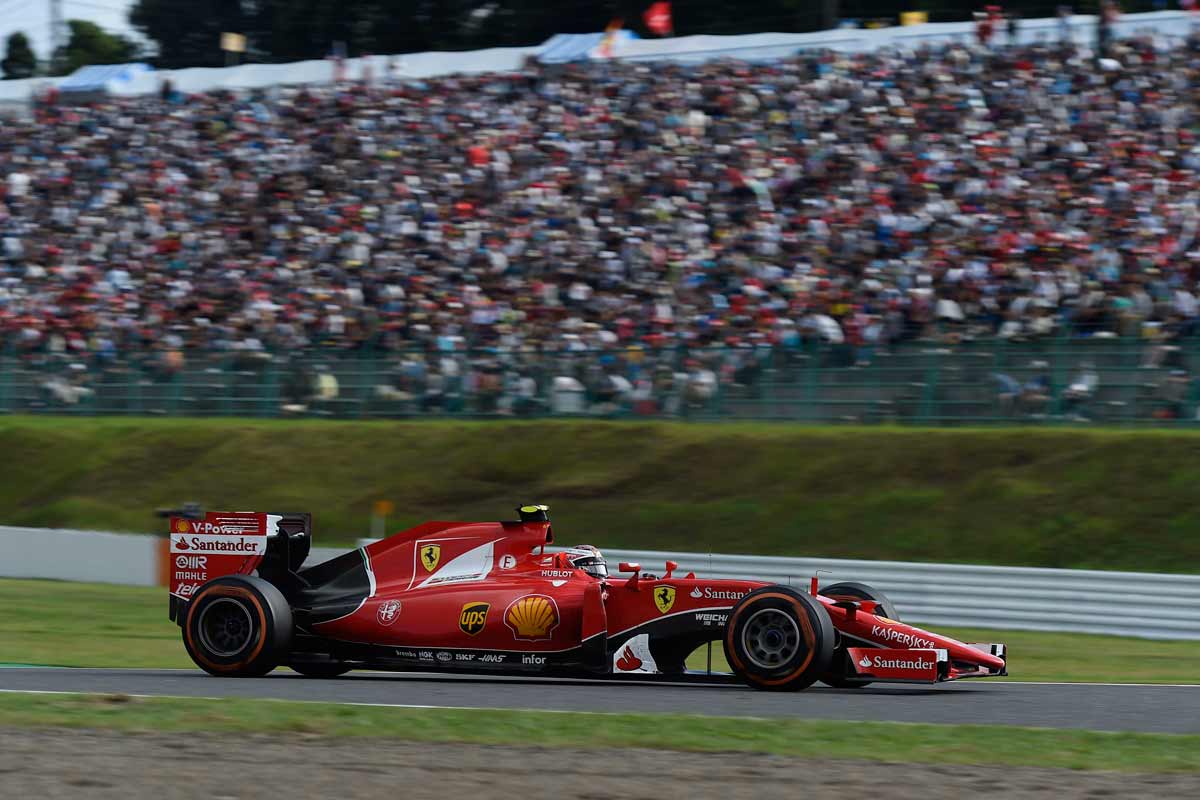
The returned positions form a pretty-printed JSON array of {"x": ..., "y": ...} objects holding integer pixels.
[
  {"x": 79, "y": 556},
  {"x": 1142, "y": 604}
]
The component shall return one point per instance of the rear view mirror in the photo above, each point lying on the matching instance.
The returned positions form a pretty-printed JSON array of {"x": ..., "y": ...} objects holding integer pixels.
[
  {"x": 671, "y": 567},
  {"x": 629, "y": 566}
]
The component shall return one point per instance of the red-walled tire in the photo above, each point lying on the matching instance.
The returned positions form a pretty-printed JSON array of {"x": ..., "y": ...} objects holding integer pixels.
[
  {"x": 778, "y": 639},
  {"x": 838, "y": 675},
  {"x": 238, "y": 626}
]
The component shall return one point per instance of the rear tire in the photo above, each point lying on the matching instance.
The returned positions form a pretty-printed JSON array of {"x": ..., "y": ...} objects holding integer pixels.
[
  {"x": 237, "y": 626},
  {"x": 778, "y": 639},
  {"x": 839, "y": 667}
]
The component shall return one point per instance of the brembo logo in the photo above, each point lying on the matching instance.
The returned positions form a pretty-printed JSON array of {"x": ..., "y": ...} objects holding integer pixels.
[{"x": 906, "y": 639}]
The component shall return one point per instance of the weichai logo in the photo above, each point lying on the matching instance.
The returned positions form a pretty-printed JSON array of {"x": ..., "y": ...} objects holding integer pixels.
[{"x": 473, "y": 617}]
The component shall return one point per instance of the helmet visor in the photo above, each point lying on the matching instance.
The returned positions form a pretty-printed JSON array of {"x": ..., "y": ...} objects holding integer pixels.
[{"x": 595, "y": 566}]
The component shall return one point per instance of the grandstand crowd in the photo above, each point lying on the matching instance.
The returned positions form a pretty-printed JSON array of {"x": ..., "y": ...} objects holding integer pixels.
[{"x": 858, "y": 200}]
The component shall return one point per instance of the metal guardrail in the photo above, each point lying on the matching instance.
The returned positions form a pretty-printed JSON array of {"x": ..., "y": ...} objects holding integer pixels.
[
  {"x": 1146, "y": 605},
  {"x": 1142, "y": 604}
]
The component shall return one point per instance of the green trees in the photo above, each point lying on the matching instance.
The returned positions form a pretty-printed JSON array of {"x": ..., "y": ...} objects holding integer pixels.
[
  {"x": 19, "y": 61},
  {"x": 91, "y": 44}
]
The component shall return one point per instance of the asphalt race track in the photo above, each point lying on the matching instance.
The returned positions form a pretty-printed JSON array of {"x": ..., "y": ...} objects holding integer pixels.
[{"x": 1112, "y": 707}]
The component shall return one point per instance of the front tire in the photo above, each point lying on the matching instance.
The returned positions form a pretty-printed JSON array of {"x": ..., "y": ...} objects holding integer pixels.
[
  {"x": 237, "y": 626},
  {"x": 840, "y": 669},
  {"x": 778, "y": 639}
]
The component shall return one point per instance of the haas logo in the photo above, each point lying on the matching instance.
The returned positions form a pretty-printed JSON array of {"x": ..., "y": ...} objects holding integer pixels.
[{"x": 628, "y": 662}]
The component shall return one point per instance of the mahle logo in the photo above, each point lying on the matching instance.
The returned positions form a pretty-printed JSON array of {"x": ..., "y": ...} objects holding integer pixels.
[
  {"x": 473, "y": 618},
  {"x": 431, "y": 554}
]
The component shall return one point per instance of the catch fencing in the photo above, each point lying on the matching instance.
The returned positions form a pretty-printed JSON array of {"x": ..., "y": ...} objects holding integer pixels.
[
  {"x": 1146, "y": 605},
  {"x": 1112, "y": 381}
]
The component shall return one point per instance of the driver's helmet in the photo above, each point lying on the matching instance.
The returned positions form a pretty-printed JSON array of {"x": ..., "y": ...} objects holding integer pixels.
[{"x": 588, "y": 559}]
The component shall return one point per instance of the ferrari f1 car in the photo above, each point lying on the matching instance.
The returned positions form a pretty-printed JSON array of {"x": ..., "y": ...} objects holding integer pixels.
[{"x": 489, "y": 597}]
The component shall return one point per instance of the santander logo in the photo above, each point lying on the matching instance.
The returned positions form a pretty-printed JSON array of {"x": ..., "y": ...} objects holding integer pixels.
[
  {"x": 864, "y": 662},
  {"x": 628, "y": 661},
  {"x": 696, "y": 593}
]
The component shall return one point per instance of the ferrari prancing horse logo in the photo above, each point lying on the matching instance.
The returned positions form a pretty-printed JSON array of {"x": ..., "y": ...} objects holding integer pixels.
[
  {"x": 431, "y": 554},
  {"x": 664, "y": 598}
]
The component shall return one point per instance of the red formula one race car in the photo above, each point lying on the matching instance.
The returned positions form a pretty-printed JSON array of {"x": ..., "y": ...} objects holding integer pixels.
[{"x": 488, "y": 597}]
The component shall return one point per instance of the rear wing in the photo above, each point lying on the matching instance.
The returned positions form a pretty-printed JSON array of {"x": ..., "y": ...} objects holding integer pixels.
[{"x": 208, "y": 545}]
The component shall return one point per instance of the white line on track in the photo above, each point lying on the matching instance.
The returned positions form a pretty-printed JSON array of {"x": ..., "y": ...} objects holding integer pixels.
[{"x": 363, "y": 705}]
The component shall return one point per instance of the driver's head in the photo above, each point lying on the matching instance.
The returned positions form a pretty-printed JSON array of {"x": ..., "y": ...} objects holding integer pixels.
[{"x": 588, "y": 559}]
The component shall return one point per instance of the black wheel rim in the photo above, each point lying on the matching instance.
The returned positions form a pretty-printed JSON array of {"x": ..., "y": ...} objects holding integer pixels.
[
  {"x": 225, "y": 627},
  {"x": 771, "y": 638}
]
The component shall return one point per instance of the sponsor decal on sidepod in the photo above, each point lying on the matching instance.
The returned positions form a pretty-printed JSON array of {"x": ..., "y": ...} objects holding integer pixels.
[
  {"x": 532, "y": 618},
  {"x": 473, "y": 617},
  {"x": 388, "y": 612}
]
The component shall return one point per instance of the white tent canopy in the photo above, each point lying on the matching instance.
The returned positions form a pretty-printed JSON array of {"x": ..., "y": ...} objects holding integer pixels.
[{"x": 1168, "y": 25}]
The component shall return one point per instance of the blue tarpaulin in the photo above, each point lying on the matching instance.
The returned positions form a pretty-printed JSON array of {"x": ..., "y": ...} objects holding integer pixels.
[
  {"x": 564, "y": 47},
  {"x": 98, "y": 77}
]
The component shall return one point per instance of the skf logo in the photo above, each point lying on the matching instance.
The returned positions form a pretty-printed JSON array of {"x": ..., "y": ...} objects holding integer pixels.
[
  {"x": 473, "y": 618},
  {"x": 181, "y": 526},
  {"x": 532, "y": 618},
  {"x": 664, "y": 598},
  {"x": 431, "y": 554}
]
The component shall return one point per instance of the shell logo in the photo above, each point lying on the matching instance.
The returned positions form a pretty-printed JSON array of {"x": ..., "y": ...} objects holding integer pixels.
[
  {"x": 532, "y": 618},
  {"x": 181, "y": 526}
]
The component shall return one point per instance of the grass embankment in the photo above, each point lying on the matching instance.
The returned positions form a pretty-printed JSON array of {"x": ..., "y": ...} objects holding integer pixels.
[
  {"x": 889, "y": 742},
  {"x": 1095, "y": 498},
  {"x": 91, "y": 625}
]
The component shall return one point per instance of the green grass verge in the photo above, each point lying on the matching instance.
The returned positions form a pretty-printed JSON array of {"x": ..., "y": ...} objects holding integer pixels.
[
  {"x": 889, "y": 742},
  {"x": 1057, "y": 498},
  {"x": 95, "y": 625}
]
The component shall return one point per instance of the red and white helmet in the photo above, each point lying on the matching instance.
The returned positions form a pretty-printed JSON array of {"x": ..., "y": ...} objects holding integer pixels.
[{"x": 588, "y": 559}]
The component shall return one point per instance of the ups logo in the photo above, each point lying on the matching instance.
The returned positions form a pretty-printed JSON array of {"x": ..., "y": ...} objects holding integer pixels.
[{"x": 473, "y": 618}]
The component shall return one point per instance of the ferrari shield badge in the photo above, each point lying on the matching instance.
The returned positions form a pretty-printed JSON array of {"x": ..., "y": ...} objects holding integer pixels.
[
  {"x": 431, "y": 554},
  {"x": 664, "y": 598}
]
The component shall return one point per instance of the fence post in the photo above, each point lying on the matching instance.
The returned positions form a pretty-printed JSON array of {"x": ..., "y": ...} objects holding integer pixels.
[{"x": 5, "y": 379}]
